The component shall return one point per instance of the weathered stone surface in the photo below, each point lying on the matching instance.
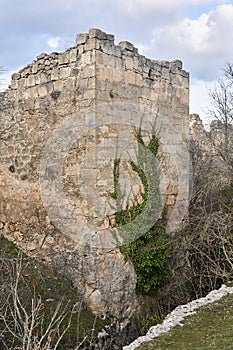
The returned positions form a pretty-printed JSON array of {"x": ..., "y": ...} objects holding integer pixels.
[
  {"x": 81, "y": 38},
  {"x": 125, "y": 45},
  {"x": 116, "y": 84},
  {"x": 209, "y": 147}
]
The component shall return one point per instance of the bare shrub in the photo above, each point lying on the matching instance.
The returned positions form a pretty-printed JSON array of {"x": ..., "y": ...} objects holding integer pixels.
[{"x": 24, "y": 327}]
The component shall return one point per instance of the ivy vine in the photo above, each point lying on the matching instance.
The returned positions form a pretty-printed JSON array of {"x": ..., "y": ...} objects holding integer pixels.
[{"x": 151, "y": 252}]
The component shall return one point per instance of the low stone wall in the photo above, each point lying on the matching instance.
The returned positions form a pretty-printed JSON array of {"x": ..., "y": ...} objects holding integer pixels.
[{"x": 178, "y": 315}]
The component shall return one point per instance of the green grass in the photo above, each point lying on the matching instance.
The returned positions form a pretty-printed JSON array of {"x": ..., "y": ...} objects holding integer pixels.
[
  {"x": 38, "y": 280},
  {"x": 210, "y": 328}
]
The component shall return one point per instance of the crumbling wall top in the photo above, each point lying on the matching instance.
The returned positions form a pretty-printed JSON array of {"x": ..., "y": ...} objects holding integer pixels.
[{"x": 95, "y": 39}]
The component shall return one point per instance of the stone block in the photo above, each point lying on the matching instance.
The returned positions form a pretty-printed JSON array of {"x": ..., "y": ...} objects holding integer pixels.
[
  {"x": 33, "y": 92},
  {"x": 91, "y": 44},
  {"x": 164, "y": 63},
  {"x": 16, "y": 76},
  {"x": 41, "y": 56},
  {"x": 85, "y": 58},
  {"x": 117, "y": 76},
  {"x": 106, "y": 74},
  {"x": 71, "y": 83},
  {"x": 184, "y": 74},
  {"x": 165, "y": 73},
  {"x": 119, "y": 64},
  {"x": 81, "y": 38},
  {"x": 136, "y": 63},
  {"x": 31, "y": 81},
  {"x": 110, "y": 37},
  {"x": 14, "y": 84},
  {"x": 125, "y": 45},
  {"x": 63, "y": 58},
  {"x": 104, "y": 58},
  {"x": 42, "y": 90},
  {"x": 129, "y": 63},
  {"x": 138, "y": 79},
  {"x": 54, "y": 74},
  {"x": 74, "y": 71},
  {"x": 117, "y": 51},
  {"x": 43, "y": 78},
  {"x": 97, "y": 33},
  {"x": 22, "y": 83},
  {"x": 64, "y": 72},
  {"x": 37, "y": 79},
  {"x": 29, "y": 103},
  {"x": 80, "y": 50},
  {"x": 107, "y": 47},
  {"x": 26, "y": 71},
  {"x": 130, "y": 77},
  {"x": 73, "y": 55},
  {"x": 176, "y": 63},
  {"x": 88, "y": 72},
  {"x": 100, "y": 57},
  {"x": 34, "y": 67},
  {"x": 154, "y": 94},
  {"x": 110, "y": 61}
]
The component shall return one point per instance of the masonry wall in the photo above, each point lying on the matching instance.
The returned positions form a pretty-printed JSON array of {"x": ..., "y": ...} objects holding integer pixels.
[
  {"x": 210, "y": 155},
  {"x": 107, "y": 80}
]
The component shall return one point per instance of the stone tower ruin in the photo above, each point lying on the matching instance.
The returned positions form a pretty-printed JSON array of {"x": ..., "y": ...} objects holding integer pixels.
[{"x": 97, "y": 93}]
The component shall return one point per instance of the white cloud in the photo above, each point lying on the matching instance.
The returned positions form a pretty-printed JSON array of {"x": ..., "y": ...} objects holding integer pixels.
[
  {"x": 199, "y": 98},
  {"x": 204, "y": 34},
  {"x": 148, "y": 12},
  {"x": 198, "y": 2},
  {"x": 193, "y": 35},
  {"x": 203, "y": 43},
  {"x": 54, "y": 42},
  {"x": 138, "y": 5},
  {"x": 224, "y": 2}
]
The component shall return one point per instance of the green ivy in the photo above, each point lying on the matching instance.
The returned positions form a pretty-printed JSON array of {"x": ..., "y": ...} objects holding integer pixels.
[
  {"x": 151, "y": 252},
  {"x": 116, "y": 174},
  {"x": 150, "y": 255}
]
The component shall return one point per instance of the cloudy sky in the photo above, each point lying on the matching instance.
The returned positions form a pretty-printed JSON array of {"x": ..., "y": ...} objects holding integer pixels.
[{"x": 199, "y": 32}]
